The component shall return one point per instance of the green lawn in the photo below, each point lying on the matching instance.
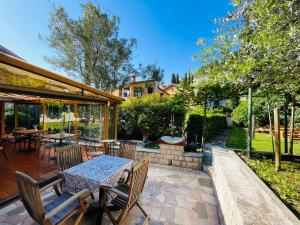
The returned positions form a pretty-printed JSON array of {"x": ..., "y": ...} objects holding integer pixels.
[{"x": 262, "y": 142}]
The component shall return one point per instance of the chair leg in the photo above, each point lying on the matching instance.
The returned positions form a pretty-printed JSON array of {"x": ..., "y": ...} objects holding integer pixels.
[
  {"x": 49, "y": 154},
  {"x": 43, "y": 153},
  {"x": 144, "y": 212},
  {"x": 79, "y": 218}
]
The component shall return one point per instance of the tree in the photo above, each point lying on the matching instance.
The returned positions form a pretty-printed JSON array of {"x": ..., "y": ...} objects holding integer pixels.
[
  {"x": 177, "y": 79},
  {"x": 173, "y": 78},
  {"x": 151, "y": 71},
  {"x": 89, "y": 47}
]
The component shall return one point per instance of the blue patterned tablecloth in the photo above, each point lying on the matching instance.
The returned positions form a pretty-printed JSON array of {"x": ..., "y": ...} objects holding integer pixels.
[{"x": 103, "y": 170}]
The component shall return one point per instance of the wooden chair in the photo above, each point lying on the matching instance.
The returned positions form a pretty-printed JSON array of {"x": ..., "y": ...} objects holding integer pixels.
[
  {"x": 59, "y": 210},
  {"x": 91, "y": 148},
  {"x": 127, "y": 149},
  {"x": 109, "y": 149},
  {"x": 19, "y": 138},
  {"x": 2, "y": 149},
  {"x": 126, "y": 201},
  {"x": 68, "y": 157}
]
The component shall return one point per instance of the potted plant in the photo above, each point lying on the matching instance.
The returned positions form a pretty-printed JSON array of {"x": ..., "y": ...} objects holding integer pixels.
[{"x": 145, "y": 137}]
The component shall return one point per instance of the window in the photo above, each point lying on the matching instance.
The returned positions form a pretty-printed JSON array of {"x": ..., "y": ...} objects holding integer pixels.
[
  {"x": 138, "y": 92},
  {"x": 150, "y": 90}
]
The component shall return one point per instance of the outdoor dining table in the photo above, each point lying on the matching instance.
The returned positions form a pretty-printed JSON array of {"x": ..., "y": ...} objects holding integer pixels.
[
  {"x": 59, "y": 137},
  {"x": 28, "y": 133},
  {"x": 104, "y": 170}
]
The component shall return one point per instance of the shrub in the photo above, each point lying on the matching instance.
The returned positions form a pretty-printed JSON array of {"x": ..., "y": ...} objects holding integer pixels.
[
  {"x": 215, "y": 122},
  {"x": 259, "y": 109},
  {"x": 240, "y": 114},
  {"x": 149, "y": 114}
]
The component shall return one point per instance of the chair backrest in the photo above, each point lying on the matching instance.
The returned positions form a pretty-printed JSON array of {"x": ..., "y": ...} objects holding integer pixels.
[
  {"x": 30, "y": 196},
  {"x": 137, "y": 183},
  {"x": 69, "y": 156},
  {"x": 127, "y": 149},
  {"x": 109, "y": 149}
]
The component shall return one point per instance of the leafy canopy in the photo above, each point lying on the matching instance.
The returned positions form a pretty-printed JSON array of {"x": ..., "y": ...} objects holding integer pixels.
[{"x": 89, "y": 47}]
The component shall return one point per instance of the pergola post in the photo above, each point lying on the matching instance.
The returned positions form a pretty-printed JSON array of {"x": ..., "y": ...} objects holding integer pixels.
[
  {"x": 249, "y": 146},
  {"x": 116, "y": 109},
  {"x": 75, "y": 118},
  {"x": 16, "y": 115},
  {"x": 44, "y": 113},
  {"x": 106, "y": 119}
]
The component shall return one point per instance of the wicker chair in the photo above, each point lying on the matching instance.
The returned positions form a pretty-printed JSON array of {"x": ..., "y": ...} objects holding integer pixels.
[
  {"x": 68, "y": 157},
  {"x": 59, "y": 210},
  {"x": 127, "y": 149},
  {"x": 125, "y": 201}
]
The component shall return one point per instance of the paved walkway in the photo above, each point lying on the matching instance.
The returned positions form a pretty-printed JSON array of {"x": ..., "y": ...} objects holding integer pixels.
[{"x": 172, "y": 196}]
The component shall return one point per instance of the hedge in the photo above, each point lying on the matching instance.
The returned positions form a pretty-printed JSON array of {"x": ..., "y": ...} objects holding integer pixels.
[
  {"x": 150, "y": 114},
  {"x": 215, "y": 123}
]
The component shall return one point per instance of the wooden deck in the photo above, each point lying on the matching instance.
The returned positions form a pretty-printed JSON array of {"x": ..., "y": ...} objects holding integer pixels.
[{"x": 27, "y": 162}]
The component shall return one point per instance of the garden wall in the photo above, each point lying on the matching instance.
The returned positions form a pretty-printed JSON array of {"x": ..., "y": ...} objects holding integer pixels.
[
  {"x": 171, "y": 155},
  {"x": 244, "y": 199}
]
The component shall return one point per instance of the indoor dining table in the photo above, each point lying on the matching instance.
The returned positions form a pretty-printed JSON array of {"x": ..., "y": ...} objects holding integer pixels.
[
  {"x": 29, "y": 133},
  {"x": 59, "y": 136},
  {"x": 104, "y": 170}
]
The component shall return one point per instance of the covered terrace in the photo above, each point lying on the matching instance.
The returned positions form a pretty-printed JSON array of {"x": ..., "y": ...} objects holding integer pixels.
[{"x": 37, "y": 100}]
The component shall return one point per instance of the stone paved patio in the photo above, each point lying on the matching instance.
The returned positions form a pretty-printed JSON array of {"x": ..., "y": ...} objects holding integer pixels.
[{"x": 172, "y": 196}]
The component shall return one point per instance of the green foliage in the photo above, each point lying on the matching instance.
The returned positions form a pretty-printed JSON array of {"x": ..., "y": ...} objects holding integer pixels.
[
  {"x": 193, "y": 126},
  {"x": 175, "y": 78},
  {"x": 237, "y": 138},
  {"x": 89, "y": 47},
  {"x": 284, "y": 183},
  {"x": 149, "y": 114},
  {"x": 259, "y": 109},
  {"x": 151, "y": 71},
  {"x": 240, "y": 114}
]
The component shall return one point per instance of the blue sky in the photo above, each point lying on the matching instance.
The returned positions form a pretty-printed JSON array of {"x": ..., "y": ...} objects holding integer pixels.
[{"x": 166, "y": 30}]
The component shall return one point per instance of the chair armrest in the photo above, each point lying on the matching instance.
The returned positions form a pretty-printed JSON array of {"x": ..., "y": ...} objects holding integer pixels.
[
  {"x": 51, "y": 185},
  {"x": 80, "y": 195}
]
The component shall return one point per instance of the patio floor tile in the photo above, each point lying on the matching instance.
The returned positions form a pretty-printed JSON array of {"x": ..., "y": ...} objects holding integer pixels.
[{"x": 172, "y": 196}]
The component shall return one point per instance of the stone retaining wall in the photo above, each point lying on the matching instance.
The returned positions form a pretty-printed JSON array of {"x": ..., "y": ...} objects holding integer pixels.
[
  {"x": 244, "y": 199},
  {"x": 172, "y": 155}
]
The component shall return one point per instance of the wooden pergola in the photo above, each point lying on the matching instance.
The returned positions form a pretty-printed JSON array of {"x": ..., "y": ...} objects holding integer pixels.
[{"x": 22, "y": 82}]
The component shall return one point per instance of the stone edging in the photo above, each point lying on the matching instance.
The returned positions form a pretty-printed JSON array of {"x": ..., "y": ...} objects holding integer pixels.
[
  {"x": 267, "y": 192},
  {"x": 172, "y": 155},
  {"x": 244, "y": 198}
]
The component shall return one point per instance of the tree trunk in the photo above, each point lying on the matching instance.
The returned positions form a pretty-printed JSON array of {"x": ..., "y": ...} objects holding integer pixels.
[
  {"x": 286, "y": 124},
  {"x": 277, "y": 139},
  {"x": 292, "y": 126},
  {"x": 270, "y": 125},
  {"x": 249, "y": 146}
]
